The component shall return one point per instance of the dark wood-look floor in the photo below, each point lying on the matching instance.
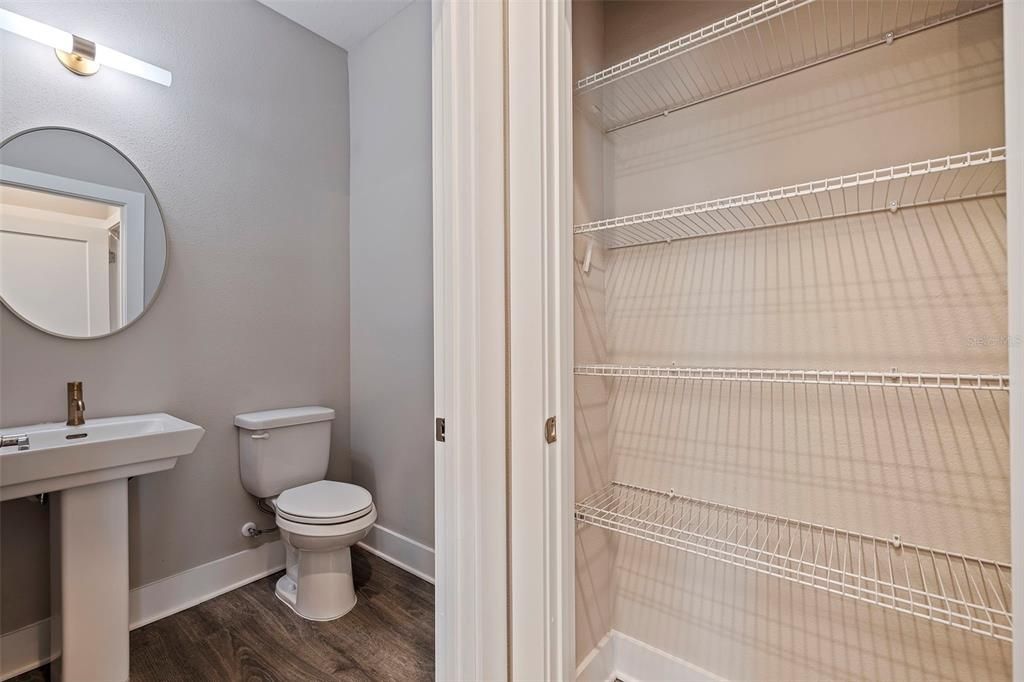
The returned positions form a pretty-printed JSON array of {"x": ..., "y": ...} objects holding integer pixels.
[{"x": 248, "y": 634}]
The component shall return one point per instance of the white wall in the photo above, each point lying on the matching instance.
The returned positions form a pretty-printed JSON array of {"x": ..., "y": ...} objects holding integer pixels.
[
  {"x": 391, "y": 245},
  {"x": 251, "y": 169}
]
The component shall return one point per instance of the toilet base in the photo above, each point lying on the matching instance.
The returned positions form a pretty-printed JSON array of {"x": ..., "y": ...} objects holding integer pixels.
[
  {"x": 318, "y": 585},
  {"x": 287, "y": 590}
]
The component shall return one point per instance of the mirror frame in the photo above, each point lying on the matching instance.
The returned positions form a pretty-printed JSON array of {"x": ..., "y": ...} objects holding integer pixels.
[{"x": 167, "y": 245}]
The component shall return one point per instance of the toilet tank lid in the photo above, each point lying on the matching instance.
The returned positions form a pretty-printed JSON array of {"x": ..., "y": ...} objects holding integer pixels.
[{"x": 290, "y": 416}]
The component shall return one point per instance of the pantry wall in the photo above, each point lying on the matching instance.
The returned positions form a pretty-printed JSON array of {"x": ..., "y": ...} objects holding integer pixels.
[{"x": 877, "y": 282}]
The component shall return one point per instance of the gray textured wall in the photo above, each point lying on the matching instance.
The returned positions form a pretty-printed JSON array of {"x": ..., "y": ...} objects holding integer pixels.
[
  {"x": 248, "y": 154},
  {"x": 391, "y": 265}
]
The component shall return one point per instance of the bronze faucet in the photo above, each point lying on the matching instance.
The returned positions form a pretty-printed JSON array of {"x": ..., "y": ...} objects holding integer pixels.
[{"x": 76, "y": 404}]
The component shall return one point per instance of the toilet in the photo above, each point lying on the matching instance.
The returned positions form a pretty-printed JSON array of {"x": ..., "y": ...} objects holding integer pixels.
[{"x": 283, "y": 458}]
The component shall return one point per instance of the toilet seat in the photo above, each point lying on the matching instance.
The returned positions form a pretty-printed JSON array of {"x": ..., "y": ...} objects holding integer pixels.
[{"x": 324, "y": 503}]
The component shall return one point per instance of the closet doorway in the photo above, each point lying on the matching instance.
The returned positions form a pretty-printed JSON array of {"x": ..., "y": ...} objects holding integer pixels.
[{"x": 771, "y": 293}]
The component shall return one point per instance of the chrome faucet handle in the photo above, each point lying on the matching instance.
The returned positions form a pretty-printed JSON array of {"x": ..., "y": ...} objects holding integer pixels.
[{"x": 19, "y": 439}]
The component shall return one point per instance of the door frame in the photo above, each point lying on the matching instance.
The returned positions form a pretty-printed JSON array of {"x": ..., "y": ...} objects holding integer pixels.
[
  {"x": 540, "y": 195},
  {"x": 1013, "y": 80},
  {"x": 503, "y": 339},
  {"x": 471, "y": 597}
]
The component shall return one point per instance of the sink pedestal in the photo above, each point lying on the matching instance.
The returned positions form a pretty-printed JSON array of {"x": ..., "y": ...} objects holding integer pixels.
[
  {"x": 86, "y": 468},
  {"x": 91, "y": 529}
]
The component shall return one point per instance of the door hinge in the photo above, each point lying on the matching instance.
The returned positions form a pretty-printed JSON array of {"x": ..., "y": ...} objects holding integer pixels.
[
  {"x": 439, "y": 429},
  {"x": 550, "y": 430}
]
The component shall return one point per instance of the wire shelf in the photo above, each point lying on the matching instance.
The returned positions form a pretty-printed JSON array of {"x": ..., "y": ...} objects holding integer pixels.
[
  {"x": 962, "y": 591},
  {"x": 834, "y": 377},
  {"x": 970, "y": 175},
  {"x": 763, "y": 42}
]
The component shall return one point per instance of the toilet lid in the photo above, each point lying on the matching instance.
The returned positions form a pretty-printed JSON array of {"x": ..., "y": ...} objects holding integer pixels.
[{"x": 324, "y": 502}]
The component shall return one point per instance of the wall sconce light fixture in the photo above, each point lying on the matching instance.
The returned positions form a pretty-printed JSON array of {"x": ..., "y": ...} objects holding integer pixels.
[{"x": 81, "y": 56}]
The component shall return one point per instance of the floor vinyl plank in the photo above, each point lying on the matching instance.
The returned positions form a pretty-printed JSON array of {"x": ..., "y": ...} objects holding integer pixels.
[{"x": 248, "y": 634}]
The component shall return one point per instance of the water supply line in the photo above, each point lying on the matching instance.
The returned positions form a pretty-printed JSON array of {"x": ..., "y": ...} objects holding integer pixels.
[{"x": 250, "y": 530}]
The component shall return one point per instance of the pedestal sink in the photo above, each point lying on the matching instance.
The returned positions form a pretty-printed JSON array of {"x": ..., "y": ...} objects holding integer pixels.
[{"x": 88, "y": 468}]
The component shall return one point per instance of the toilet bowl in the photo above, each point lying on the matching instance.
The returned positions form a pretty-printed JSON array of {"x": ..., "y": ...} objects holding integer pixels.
[
  {"x": 319, "y": 523},
  {"x": 283, "y": 458}
]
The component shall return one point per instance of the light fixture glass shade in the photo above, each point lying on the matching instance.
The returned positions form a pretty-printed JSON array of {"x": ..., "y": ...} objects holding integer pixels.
[
  {"x": 35, "y": 30},
  {"x": 106, "y": 56}
]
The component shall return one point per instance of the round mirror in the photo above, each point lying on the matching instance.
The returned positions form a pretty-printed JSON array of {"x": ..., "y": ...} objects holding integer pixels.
[{"x": 82, "y": 244}]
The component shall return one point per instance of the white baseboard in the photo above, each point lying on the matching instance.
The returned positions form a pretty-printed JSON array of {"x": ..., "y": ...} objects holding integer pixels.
[
  {"x": 186, "y": 589},
  {"x": 29, "y": 647},
  {"x": 402, "y": 551},
  {"x": 599, "y": 665},
  {"x": 25, "y": 649},
  {"x": 622, "y": 657}
]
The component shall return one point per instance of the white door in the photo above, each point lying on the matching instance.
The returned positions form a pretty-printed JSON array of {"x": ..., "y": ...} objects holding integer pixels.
[{"x": 69, "y": 256}]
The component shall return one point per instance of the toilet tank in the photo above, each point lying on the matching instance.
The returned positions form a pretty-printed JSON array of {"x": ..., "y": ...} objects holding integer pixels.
[{"x": 281, "y": 449}]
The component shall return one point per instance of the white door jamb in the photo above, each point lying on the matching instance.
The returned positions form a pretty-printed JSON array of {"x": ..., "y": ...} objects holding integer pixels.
[
  {"x": 541, "y": 524},
  {"x": 469, "y": 340},
  {"x": 1013, "y": 64}
]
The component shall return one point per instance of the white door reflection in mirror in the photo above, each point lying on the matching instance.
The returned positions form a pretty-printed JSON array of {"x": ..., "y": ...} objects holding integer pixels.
[
  {"x": 78, "y": 258},
  {"x": 55, "y": 267},
  {"x": 53, "y": 216}
]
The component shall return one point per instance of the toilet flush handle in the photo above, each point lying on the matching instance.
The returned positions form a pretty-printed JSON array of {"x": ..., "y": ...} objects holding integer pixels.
[{"x": 260, "y": 436}]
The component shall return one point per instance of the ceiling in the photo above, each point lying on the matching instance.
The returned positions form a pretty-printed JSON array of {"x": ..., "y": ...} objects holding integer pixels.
[{"x": 343, "y": 22}]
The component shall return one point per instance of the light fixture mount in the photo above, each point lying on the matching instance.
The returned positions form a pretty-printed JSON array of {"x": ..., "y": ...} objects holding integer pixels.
[{"x": 81, "y": 60}]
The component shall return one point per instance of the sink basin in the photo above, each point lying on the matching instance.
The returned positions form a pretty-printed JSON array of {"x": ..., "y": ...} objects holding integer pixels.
[
  {"x": 61, "y": 457},
  {"x": 87, "y": 469}
]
